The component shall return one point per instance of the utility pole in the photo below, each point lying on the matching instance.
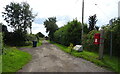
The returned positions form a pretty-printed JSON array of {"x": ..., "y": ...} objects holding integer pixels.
[
  {"x": 110, "y": 22},
  {"x": 82, "y": 21}
]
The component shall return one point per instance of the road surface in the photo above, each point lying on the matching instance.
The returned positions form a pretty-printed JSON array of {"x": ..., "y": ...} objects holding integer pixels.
[{"x": 49, "y": 58}]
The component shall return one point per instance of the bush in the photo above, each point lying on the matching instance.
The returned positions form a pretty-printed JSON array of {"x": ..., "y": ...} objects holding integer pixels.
[
  {"x": 88, "y": 40},
  {"x": 31, "y": 37},
  {"x": 115, "y": 29},
  {"x": 70, "y": 33},
  {"x": 18, "y": 38},
  {"x": 39, "y": 34}
]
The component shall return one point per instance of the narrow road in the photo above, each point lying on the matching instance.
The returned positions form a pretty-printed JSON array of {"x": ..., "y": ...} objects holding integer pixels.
[{"x": 49, "y": 58}]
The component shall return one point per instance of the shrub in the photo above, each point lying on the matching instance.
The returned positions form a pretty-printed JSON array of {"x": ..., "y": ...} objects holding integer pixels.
[
  {"x": 70, "y": 33},
  {"x": 71, "y": 47},
  {"x": 88, "y": 40},
  {"x": 16, "y": 38},
  {"x": 115, "y": 29}
]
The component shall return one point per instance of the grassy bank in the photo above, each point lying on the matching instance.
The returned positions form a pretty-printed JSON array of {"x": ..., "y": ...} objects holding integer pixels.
[
  {"x": 14, "y": 59},
  {"x": 39, "y": 43},
  {"x": 107, "y": 62}
]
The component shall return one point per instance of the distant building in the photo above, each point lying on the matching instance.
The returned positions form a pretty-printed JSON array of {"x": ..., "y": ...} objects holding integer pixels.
[{"x": 119, "y": 9}]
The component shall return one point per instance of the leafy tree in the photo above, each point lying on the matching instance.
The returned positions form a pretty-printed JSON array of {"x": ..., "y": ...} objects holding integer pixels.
[
  {"x": 97, "y": 28},
  {"x": 92, "y": 22},
  {"x": 51, "y": 27},
  {"x": 70, "y": 33},
  {"x": 4, "y": 27},
  {"x": 86, "y": 30},
  {"x": 39, "y": 34},
  {"x": 113, "y": 27},
  {"x": 18, "y": 16}
]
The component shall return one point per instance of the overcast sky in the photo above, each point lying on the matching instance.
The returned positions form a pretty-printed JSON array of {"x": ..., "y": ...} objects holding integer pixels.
[{"x": 67, "y": 10}]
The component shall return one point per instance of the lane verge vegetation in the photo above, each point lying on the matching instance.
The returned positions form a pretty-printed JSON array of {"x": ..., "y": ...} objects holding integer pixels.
[{"x": 107, "y": 62}]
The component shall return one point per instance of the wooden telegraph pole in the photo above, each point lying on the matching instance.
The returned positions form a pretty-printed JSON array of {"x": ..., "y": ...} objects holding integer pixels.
[
  {"x": 101, "y": 46},
  {"x": 82, "y": 20}
]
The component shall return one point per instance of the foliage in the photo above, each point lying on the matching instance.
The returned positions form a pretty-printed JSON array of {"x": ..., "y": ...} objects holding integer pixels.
[
  {"x": 88, "y": 40},
  {"x": 85, "y": 29},
  {"x": 97, "y": 28},
  {"x": 92, "y": 22},
  {"x": 71, "y": 47},
  {"x": 14, "y": 59},
  {"x": 109, "y": 63},
  {"x": 16, "y": 38},
  {"x": 1, "y": 42},
  {"x": 115, "y": 29},
  {"x": 3, "y": 28},
  {"x": 51, "y": 27},
  {"x": 70, "y": 33},
  {"x": 39, "y": 35},
  {"x": 39, "y": 43},
  {"x": 46, "y": 37},
  {"x": 18, "y": 16},
  {"x": 31, "y": 37}
]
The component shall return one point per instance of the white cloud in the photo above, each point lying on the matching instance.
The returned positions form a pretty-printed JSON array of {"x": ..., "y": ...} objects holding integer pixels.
[
  {"x": 38, "y": 28},
  {"x": 60, "y": 23}
]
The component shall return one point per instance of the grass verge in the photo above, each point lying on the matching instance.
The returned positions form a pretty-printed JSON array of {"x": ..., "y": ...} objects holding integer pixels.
[
  {"x": 107, "y": 62},
  {"x": 14, "y": 59},
  {"x": 39, "y": 43}
]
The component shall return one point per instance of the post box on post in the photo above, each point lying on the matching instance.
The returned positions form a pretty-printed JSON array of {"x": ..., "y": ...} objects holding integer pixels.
[{"x": 97, "y": 38}]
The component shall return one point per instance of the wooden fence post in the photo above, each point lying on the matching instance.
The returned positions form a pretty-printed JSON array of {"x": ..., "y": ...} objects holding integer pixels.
[{"x": 101, "y": 46}]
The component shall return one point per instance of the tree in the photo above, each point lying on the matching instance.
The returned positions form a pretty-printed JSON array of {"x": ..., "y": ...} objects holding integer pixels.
[
  {"x": 18, "y": 16},
  {"x": 4, "y": 28},
  {"x": 97, "y": 28},
  {"x": 51, "y": 26},
  {"x": 70, "y": 33},
  {"x": 92, "y": 22},
  {"x": 39, "y": 34},
  {"x": 113, "y": 27},
  {"x": 86, "y": 29}
]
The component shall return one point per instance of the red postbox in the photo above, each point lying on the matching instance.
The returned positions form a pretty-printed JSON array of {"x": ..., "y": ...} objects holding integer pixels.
[{"x": 97, "y": 38}]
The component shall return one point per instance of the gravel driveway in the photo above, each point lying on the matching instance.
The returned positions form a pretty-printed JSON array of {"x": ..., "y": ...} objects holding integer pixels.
[{"x": 49, "y": 58}]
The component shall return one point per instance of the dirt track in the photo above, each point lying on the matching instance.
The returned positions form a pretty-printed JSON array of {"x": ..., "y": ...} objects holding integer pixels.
[{"x": 49, "y": 58}]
